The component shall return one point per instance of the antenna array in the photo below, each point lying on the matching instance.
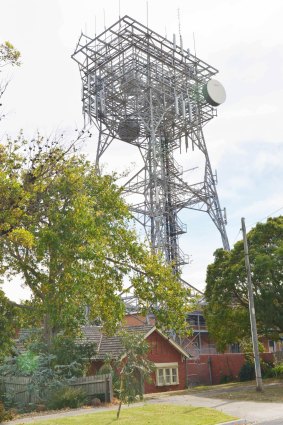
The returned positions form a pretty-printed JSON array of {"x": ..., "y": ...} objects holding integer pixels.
[{"x": 147, "y": 91}]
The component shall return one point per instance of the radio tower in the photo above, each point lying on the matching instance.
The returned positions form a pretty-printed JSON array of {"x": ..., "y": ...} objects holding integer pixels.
[{"x": 151, "y": 93}]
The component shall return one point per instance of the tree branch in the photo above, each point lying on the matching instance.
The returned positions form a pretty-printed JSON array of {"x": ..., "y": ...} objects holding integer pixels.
[
  {"x": 25, "y": 268},
  {"x": 13, "y": 303},
  {"x": 119, "y": 264}
]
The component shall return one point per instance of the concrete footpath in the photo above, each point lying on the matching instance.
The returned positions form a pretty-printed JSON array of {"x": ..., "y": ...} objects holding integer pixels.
[{"x": 250, "y": 412}]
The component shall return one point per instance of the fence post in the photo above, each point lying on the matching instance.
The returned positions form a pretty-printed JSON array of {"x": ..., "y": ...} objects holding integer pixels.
[
  {"x": 209, "y": 369},
  {"x": 110, "y": 384},
  {"x": 106, "y": 388}
]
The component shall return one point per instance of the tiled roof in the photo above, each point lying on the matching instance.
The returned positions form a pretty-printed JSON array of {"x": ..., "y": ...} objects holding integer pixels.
[
  {"x": 109, "y": 345},
  {"x": 91, "y": 334},
  {"x": 106, "y": 345}
]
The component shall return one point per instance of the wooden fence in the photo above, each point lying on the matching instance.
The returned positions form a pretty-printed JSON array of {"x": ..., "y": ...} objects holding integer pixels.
[
  {"x": 18, "y": 388},
  {"x": 99, "y": 385},
  {"x": 278, "y": 355}
]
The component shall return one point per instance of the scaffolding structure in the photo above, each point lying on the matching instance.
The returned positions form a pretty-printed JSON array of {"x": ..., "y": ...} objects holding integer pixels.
[{"x": 147, "y": 91}]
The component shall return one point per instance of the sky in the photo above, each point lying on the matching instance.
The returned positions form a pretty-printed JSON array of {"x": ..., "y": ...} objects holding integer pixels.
[{"x": 243, "y": 39}]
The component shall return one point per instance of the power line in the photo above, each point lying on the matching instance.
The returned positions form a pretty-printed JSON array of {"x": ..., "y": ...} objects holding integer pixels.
[
  {"x": 236, "y": 236},
  {"x": 264, "y": 218},
  {"x": 258, "y": 221}
]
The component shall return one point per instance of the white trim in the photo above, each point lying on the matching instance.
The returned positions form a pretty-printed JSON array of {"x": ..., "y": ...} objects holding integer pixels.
[
  {"x": 164, "y": 374},
  {"x": 162, "y": 365},
  {"x": 177, "y": 346},
  {"x": 150, "y": 332}
]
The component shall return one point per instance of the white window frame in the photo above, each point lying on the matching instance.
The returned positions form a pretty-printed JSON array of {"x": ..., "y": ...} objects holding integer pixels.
[
  {"x": 165, "y": 367},
  {"x": 271, "y": 346}
]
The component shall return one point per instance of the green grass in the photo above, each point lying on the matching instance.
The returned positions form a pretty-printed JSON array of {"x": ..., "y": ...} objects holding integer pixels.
[
  {"x": 272, "y": 391},
  {"x": 160, "y": 414}
]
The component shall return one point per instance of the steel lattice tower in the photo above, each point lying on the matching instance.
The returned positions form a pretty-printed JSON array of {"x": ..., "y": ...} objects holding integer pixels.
[{"x": 144, "y": 90}]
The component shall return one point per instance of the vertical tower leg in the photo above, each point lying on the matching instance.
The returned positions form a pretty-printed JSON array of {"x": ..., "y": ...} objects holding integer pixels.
[{"x": 203, "y": 196}]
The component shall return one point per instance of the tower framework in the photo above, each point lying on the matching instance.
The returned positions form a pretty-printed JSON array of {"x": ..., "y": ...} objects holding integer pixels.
[{"x": 139, "y": 87}]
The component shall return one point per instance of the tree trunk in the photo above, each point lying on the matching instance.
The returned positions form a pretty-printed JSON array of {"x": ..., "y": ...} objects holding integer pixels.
[
  {"x": 121, "y": 389},
  {"x": 47, "y": 330},
  {"x": 119, "y": 408}
]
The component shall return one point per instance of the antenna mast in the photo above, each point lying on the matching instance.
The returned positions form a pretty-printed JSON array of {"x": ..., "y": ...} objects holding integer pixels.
[{"x": 148, "y": 92}]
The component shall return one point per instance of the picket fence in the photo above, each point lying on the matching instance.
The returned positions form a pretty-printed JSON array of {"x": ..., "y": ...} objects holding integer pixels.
[{"x": 18, "y": 387}]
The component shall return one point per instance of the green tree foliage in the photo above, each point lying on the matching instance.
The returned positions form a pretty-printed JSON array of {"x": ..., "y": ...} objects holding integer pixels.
[
  {"x": 7, "y": 325},
  {"x": 226, "y": 312},
  {"x": 72, "y": 356},
  {"x": 65, "y": 358},
  {"x": 49, "y": 366},
  {"x": 9, "y": 55},
  {"x": 66, "y": 397},
  {"x": 65, "y": 230},
  {"x": 134, "y": 368}
]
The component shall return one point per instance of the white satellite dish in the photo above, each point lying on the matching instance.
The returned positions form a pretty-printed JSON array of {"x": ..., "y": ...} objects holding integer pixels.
[{"x": 214, "y": 93}]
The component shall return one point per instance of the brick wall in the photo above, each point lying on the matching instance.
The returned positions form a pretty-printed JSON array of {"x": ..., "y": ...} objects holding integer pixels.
[
  {"x": 138, "y": 320},
  {"x": 161, "y": 351},
  {"x": 224, "y": 365},
  {"x": 211, "y": 368}
]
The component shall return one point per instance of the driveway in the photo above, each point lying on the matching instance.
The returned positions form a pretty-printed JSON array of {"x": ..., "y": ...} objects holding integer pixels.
[{"x": 252, "y": 412}]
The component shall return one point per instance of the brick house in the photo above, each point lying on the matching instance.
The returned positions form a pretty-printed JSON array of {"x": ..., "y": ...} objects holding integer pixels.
[
  {"x": 179, "y": 363},
  {"x": 169, "y": 357},
  {"x": 205, "y": 364}
]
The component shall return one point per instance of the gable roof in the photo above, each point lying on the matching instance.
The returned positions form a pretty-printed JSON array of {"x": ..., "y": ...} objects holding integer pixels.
[
  {"x": 107, "y": 345},
  {"x": 112, "y": 346}
]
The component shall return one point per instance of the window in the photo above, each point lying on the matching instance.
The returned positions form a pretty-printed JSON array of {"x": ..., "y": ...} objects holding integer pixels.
[
  {"x": 271, "y": 345},
  {"x": 166, "y": 374},
  {"x": 235, "y": 348}
]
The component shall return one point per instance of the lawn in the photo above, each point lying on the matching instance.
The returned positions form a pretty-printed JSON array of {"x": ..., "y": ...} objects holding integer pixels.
[
  {"x": 147, "y": 415},
  {"x": 273, "y": 391}
]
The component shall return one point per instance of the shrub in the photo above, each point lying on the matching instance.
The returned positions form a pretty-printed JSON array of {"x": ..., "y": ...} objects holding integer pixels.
[
  {"x": 66, "y": 397},
  {"x": 106, "y": 369},
  {"x": 225, "y": 379},
  {"x": 101, "y": 397},
  {"x": 277, "y": 370},
  {"x": 49, "y": 368},
  {"x": 247, "y": 372},
  {"x": 266, "y": 369},
  {"x": 4, "y": 414}
]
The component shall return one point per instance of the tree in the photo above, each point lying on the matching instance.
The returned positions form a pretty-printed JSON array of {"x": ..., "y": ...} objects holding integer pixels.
[
  {"x": 134, "y": 368},
  {"x": 49, "y": 367},
  {"x": 8, "y": 56},
  {"x": 7, "y": 325},
  {"x": 227, "y": 312},
  {"x": 65, "y": 230}
]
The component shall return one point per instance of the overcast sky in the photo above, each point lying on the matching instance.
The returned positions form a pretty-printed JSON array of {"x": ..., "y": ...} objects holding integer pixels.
[{"x": 243, "y": 39}]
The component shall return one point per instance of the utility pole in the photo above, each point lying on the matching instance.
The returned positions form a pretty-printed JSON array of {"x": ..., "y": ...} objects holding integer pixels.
[{"x": 259, "y": 386}]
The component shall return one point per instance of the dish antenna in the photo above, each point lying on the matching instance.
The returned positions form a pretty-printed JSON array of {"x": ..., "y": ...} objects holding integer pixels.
[{"x": 151, "y": 93}]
